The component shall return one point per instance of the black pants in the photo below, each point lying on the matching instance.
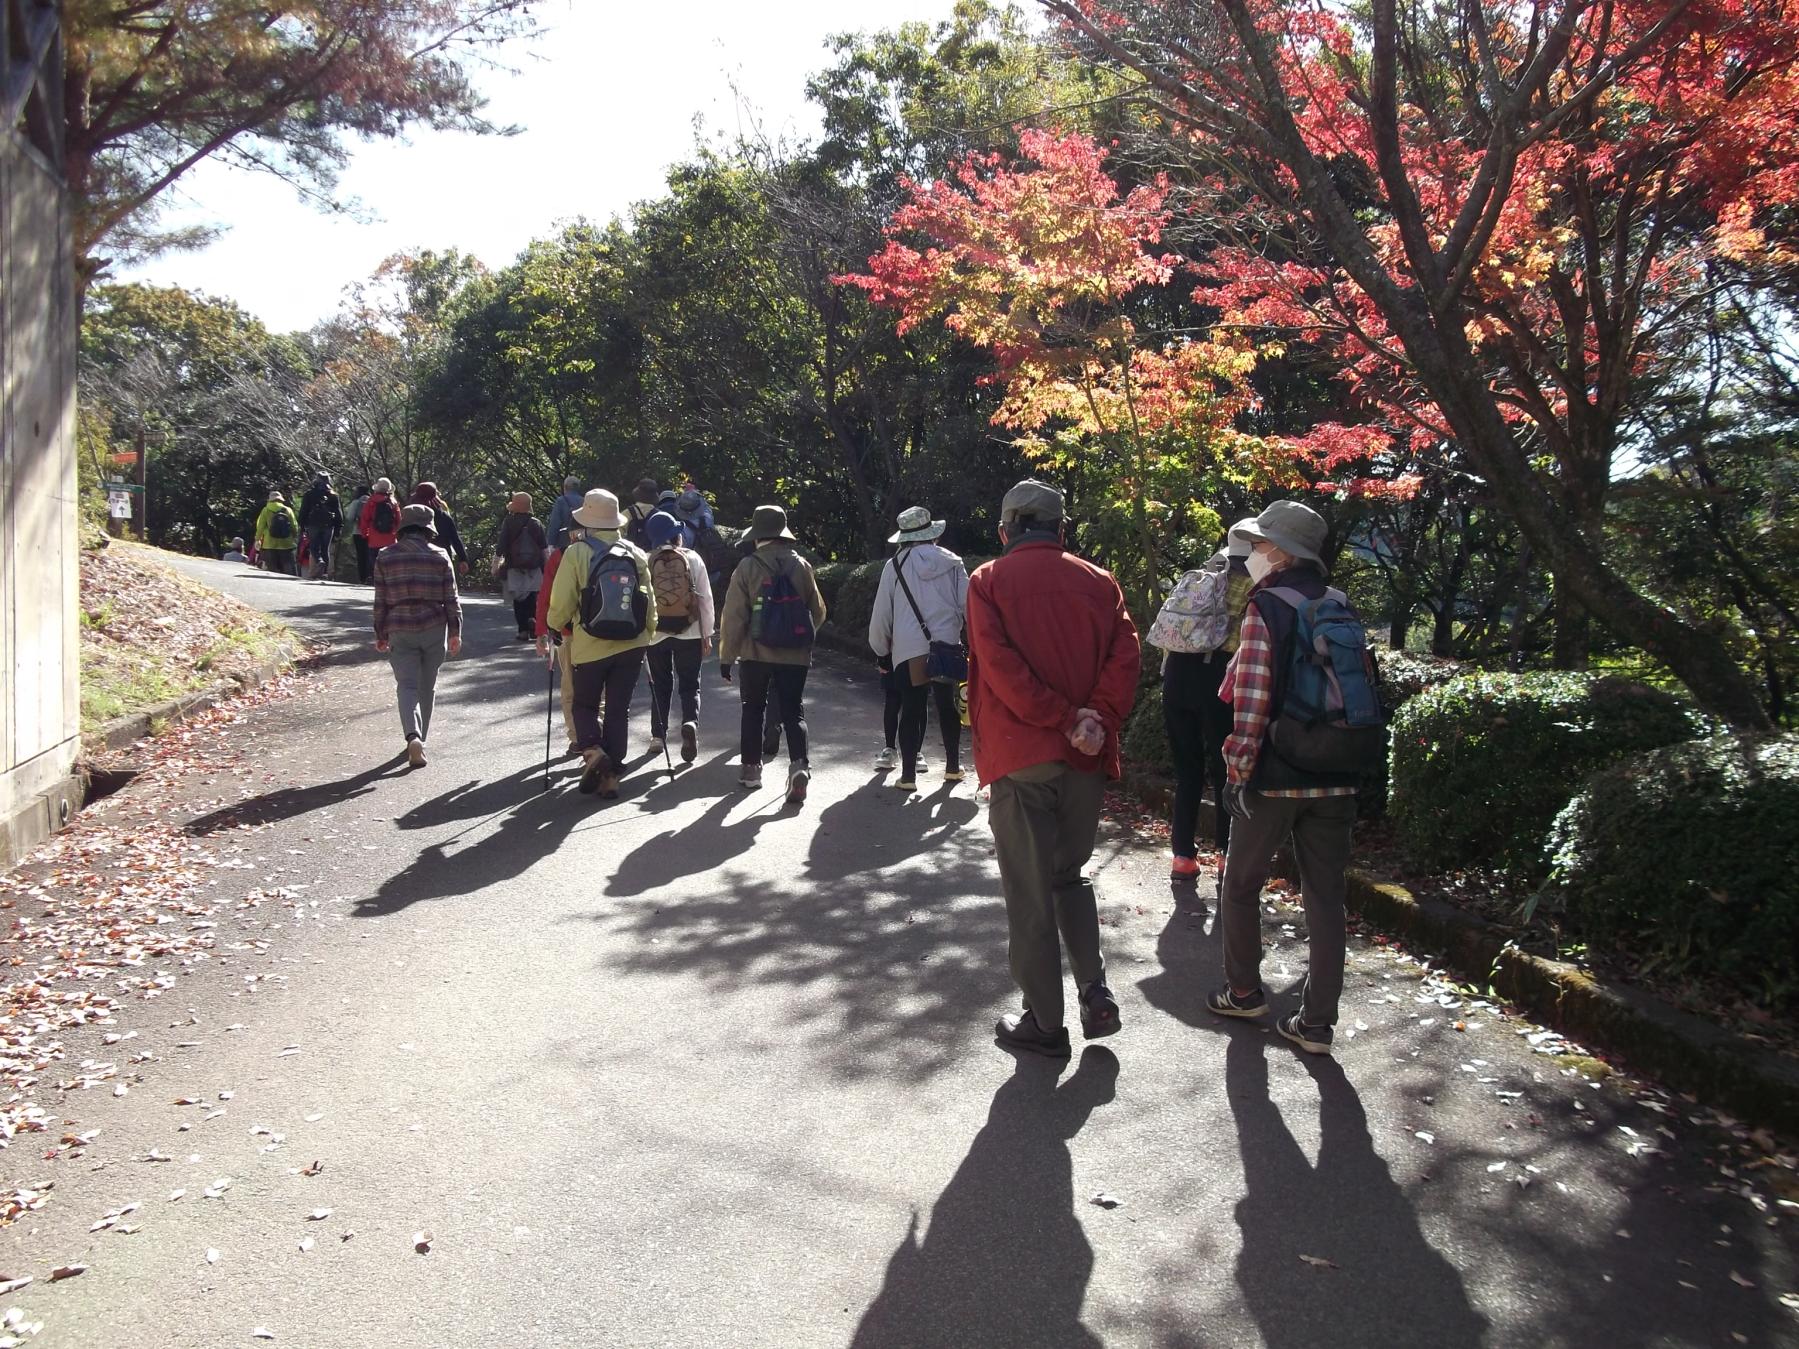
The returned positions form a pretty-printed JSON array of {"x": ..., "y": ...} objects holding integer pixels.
[
  {"x": 676, "y": 656},
  {"x": 524, "y": 609},
  {"x": 756, "y": 678},
  {"x": 612, "y": 681},
  {"x": 913, "y": 698},
  {"x": 890, "y": 713},
  {"x": 365, "y": 565},
  {"x": 1198, "y": 722}
]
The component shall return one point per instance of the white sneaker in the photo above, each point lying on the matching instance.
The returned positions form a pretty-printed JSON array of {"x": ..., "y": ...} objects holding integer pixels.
[
  {"x": 415, "y": 753},
  {"x": 656, "y": 745},
  {"x": 750, "y": 776},
  {"x": 887, "y": 758}
]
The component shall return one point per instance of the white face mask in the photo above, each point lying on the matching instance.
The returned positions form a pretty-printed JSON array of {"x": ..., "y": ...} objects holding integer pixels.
[{"x": 1259, "y": 565}]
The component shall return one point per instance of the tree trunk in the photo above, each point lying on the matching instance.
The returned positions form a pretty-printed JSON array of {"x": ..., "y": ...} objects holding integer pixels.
[{"x": 1399, "y": 626}]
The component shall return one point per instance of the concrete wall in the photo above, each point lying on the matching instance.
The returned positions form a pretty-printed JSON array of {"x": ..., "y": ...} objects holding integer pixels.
[{"x": 40, "y": 697}]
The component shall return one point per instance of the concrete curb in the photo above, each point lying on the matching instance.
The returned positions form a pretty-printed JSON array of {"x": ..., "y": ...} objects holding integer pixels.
[
  {"x": 130, "y": 729},
  {"x": 1684, "y": 1051}
]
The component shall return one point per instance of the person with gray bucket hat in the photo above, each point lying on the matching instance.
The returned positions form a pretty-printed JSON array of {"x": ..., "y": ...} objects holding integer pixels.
[
  {"x": 773, "y": 610},
  {"x": 418, "y": 620},
  {"x": 915, "y": 629},
  {"x": 1274, "y": 792},
  {"x": 1053, "y": 662}
]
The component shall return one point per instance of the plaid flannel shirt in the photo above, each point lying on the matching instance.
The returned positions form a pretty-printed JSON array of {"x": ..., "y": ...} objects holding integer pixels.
[
  {"x": 415, "y": 589},
  {"x": 1249, "y": 688}
]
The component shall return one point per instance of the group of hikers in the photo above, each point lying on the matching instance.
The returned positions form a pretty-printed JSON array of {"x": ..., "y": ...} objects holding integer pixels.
[
  {"x": 303, "y": 541},
  {"x": 1268, "y": 692}
]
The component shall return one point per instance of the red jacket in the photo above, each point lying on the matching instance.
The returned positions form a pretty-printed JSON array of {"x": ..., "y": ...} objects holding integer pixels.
[
  {"x": 543, "y": 595},
  {"x": 366, "y": 525},
  {"x": 1048, "y": 635}
]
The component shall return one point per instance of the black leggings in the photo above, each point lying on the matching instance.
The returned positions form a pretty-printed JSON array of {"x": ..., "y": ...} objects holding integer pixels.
[
  {"x": 524, "y": 609},
  {"x": 912, "y": 720},
  {"x": 1196, "y": 737}
]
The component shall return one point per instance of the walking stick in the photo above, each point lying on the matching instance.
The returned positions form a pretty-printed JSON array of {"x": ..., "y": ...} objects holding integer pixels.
[
  {"x": 663, "y": 712},
  {"x": 549, "y": 717}
]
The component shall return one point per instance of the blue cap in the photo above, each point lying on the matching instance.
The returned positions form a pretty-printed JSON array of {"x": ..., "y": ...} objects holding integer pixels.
[{"x": 662, "y": 528}]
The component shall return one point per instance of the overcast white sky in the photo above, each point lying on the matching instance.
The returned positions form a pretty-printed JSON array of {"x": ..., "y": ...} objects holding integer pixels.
[{"x": 607, "y": 99}]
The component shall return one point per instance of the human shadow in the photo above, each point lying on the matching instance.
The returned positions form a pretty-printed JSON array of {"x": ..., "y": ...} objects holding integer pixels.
[
  {"x": 533, "y": 830},
  {"x": 876, "y": 827},
  {"x": 286, "y": 803},
  {"x": 1189, "y": 950},
  {"x": 1004, "y": 1260},
  {"x": 1382, "y": 1277},
  {"x": 701, "y": 845},
  {"x": 474, "y": 800}
]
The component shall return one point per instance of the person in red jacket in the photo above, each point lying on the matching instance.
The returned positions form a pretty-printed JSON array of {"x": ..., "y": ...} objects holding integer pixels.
[
  {"x": 1053, "y": 660},
  {"x": 552, "y": 644},
  {"x": 380, "y": 522}
]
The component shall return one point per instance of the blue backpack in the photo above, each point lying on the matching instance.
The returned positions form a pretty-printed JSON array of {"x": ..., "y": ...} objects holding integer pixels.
[
  {"x": 781, "y": 617},
  {"x": 1330, "y": 719}
]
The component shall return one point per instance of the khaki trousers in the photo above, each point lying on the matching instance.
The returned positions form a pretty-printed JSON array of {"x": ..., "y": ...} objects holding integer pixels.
[
  {"x": 565, "y": 661},
  {"x": 1044, "y": 820}
]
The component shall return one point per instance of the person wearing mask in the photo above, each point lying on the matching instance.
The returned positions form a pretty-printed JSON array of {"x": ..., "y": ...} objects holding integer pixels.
[
  {"x": 1196, "y": 718},
  {"x": 1270, "y": 797},
  {"x": 321, "y": 519},
  {"x": 236, "y": 552},
  {"x": 605, "y": 669},
  {"x": 380, "y": 519},
  {"x": 1052, "y": 676},
  {"x": 919, "y": 613},
  {"x": 418, "y": 620},
  {"x": 773, "y": 611},
  {"x": 278, "y": 536},
  {"x": 643, "y": 506},
  {"x": 683, "y": 636},
  {"x": 364, "y": 567},
  {"x": 562, "y": 512},
  {"x": 449, "y": 538},
  {"x": 519, "y": 554}
]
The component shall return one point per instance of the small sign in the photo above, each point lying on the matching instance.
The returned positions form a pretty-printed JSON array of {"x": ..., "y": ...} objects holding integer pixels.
[{"x": 118, "y": 505}]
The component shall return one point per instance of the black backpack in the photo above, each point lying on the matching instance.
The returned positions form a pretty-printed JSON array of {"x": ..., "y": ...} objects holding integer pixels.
[
  {"x": 614, "y": 607},
  {"x": 385, "y": 519},
  {"x": 780, "y": 616},
  {"x": 282, "y": 526}
]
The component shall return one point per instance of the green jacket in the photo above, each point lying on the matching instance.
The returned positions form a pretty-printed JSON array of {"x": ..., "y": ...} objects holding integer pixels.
[
  {"x": 565, "y": 598},
  {"x": 266, "y": 542},
  {"x": 734, "y": 643}
]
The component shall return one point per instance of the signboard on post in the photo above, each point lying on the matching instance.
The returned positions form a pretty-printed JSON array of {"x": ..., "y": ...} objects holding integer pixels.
[{"x": 118, "y": 504}]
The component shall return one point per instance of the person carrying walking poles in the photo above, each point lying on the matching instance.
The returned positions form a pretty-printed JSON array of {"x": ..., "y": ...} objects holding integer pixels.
[
  {"x": 683, "y": 636},
  {"x": 915, "y": 629}
]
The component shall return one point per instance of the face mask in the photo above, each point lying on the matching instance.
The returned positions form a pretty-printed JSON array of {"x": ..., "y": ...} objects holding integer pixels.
[{"x": 1259, "y": 565}]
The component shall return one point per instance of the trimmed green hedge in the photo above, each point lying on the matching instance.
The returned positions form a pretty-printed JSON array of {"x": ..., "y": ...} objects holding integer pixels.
[
  {"x": 1688, "y": 857},
  {"x": 1482, "y": 764}
]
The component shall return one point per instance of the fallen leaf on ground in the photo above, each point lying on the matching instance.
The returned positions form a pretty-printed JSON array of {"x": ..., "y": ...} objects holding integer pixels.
[
  {"x": 312, "y": 1170},
  {"x": 421, "y": 1242},
  {"x": 1740, "y": 1281},
  {"x": 1320, "y": 1262},
  {"x": 66, "y": 1272},
  {"x": 318, "y": 1215},
  {"x": 212, "y": 1256},
  {"x": 262, "y": 1333},
  {"x": 11, "y": 1286},
  {"x": 347, "y": 1235},
  {"x": 1105, "y": 1200},
  {"x": 306, "y": 1243},
  {"x": 175, "y": 1194}
]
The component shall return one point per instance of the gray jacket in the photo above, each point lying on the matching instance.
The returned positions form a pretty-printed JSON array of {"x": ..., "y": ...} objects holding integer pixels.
[{"x": 939, "y": 582}]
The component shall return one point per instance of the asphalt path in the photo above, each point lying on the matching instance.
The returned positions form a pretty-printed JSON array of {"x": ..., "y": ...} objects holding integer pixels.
[{"x": 692, "y": 1068}]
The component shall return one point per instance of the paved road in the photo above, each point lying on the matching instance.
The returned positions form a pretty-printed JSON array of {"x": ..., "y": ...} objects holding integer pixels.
[{"x": 692, "y": 1069}]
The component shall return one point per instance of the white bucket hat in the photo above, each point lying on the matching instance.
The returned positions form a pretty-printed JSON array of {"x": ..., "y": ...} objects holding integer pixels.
[
  {"x": 916, "y": 526},
  {"x": 598, "y": 510}
]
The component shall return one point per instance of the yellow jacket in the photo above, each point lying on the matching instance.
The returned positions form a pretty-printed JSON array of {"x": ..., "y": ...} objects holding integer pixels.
[
  {"x": 266, "y": 542},
  {"x": 571, "y": 580}
]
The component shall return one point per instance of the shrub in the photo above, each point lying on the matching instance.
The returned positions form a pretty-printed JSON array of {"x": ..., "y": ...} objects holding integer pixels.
[
  {"x": 1688, "y": 856},
  {"x": 1482, "y": 764},
  {"x": 1145, "y": 739},
  {"x": 831, "y": 577}
]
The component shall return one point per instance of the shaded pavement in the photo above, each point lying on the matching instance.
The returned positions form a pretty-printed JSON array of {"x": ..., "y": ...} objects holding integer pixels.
[{"x": 691, "y": 1068}]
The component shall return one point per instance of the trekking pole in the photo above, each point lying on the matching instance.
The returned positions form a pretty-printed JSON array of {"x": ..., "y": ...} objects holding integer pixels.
[
  {"x": 663, "y": 715},
  {"x": 549, "y": 717}
]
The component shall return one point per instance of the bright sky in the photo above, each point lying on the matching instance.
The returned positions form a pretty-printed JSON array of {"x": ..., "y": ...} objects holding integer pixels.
[{"x": 607, "y": 99}]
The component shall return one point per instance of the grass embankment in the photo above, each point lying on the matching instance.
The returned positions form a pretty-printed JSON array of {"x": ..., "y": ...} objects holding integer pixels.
[{"x": 149, "y": 634}]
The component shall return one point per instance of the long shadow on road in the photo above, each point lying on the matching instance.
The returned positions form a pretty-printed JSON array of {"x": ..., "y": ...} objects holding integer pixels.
[{"x": 1004, "y": 1260}]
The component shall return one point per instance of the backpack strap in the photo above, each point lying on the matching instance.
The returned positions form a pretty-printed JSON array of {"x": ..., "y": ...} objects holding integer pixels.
[{"x": 917, "y": 613}]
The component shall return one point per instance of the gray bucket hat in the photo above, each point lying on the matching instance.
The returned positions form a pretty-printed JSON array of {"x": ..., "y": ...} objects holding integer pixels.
[
  {"x": 1037, "y": 500},
  {"x": 916, "y": 526},
  {"x": 1236, "y": 542},
  {"x": 1291, "y": 526},
  {"x": 420, "y": 517},
  {"x": 769, "y": 522}
]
